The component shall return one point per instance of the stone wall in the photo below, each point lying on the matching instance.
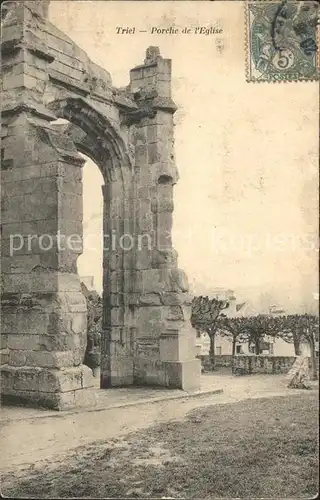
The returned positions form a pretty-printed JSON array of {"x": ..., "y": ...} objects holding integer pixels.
[
  {"x": 223, "y": 360},
  {"x": 246, "y": 365}
]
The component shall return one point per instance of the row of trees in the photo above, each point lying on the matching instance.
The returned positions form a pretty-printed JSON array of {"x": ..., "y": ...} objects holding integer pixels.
[{"x": 208, "y": 316}]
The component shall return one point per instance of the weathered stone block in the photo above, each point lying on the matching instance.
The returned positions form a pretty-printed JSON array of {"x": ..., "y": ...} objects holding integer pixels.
[
  {"x": 27, "y": 321},
  {"x": 69, "y": 282},
  {"x": 76, "y": 302},
  {"x": 149, "y": 372},
  {"x": 116, "y": 316},
  {"x": 19, "y": 263},
  {"x": 4, "y": 356},
  {"x": 35, "y": 186},
  {"x": 3, "y": 341},
  {"x": 144, "y": 258},
  {"x": 153, "y": 153},
  {"x": 17, "y": 358},
  {"x": 12, "y": 81},
  {"x": 179, "y": 280},
  {"x": 28, "y": 379},
  {"x": 87, "y": 379},
  {"x": 65, "y": 342},
  {"x": 7, "y": 378},
  {"x": 164, "y": 258},
  {"x": 183, "y": 375},
  {"x": 146, "y": 222},
  {"x": 150, "y": 299},
  {"x": 46, "y": 359},
  {"x": 174, "y": 313},
  {"x": 136, "y": 74},
  {"x": 151, "y": 321},
  {"x": 175, "y": 298},
  {"x": 27, "y": 342},
  {"x": 152, "y": 134},
  {"x": 120, "y": 372},
  {"x": 175, "y": 346},
  {"x": 155, "y": 281},
  {"x": 65, "y": 380},
  {"x": 163, "y": 88},
  {"x": 70, "y": 207},
  {"x": 83, "y": 398}
]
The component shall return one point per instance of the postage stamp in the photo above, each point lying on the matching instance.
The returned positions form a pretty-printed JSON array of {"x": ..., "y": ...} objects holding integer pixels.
[{"x": 282, "y": 40}]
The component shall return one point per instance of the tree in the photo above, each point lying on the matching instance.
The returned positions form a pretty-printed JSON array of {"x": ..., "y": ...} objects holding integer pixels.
[
  {"x": 94, "y": 327},
  {"x": 288, "y": 331},
  {"x": 234, "y": 327},
  {"x": 257, "y": 327},
  {"x": 297, "y": 328},
  {"x": 204, "y": 316}
]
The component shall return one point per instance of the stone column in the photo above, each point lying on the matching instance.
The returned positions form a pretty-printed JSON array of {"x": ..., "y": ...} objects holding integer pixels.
[
  {"x": 43, "y": 309},
  {"x": 116, "y": 359},
  {"x": 164, "y": 348}
]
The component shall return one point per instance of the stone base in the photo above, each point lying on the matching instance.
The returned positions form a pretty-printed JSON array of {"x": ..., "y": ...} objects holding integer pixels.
[
  {"x": 60, "y": 401},
  {"x": 183, "y": 375},
  {"x": 152, "y": 372},
  {"x": 49, "y": 388},
  {"x": 175, "y": 346},
  {"x": 116, "y": 371}
]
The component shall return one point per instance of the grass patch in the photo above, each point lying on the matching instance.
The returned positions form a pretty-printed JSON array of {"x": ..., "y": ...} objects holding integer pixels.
[{"x": 251, "y": 449}]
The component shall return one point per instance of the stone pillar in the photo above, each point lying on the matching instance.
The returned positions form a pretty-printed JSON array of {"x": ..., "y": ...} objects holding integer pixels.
[
  {"x": 164, "y": 347},
  {"x": 118, "y": 278},
  {"x": 43, "y": 309}
]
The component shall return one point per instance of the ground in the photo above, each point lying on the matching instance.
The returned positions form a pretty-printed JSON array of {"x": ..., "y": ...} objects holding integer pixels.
[{"x": 258, "y": 438}]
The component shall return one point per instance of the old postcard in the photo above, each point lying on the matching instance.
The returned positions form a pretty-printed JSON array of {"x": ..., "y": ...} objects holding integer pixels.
[{"x": 159, "y": 249}]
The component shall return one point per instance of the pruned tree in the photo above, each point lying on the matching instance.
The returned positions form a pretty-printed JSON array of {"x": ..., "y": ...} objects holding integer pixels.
[
  {"x": 236, "y": 328},
  {"x": 204, "y": 317},
  {"x": 297, "y": 328},
  {"x": 288, "y": 331},
  {"x": 257, "y": 327}
]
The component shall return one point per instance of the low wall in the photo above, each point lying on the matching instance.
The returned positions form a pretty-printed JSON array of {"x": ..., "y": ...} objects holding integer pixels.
[
  {"x": 222, "y": 360},
  {"x": 245, "y": 365}
]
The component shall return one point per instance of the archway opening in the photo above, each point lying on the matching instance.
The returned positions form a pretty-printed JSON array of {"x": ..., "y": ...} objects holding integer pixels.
[
  {"x": 90, "y": 262},
  {"x": 93, "y": 136}
]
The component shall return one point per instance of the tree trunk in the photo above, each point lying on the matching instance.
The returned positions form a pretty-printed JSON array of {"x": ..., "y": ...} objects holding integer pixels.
[
  {"x": 296, "y": 344},
  {"x": 314, "y": 374},
  {"x": 234, "y": 341},
  {"x": 257, "y": 345},
  {"x": 212, "y": 351}
]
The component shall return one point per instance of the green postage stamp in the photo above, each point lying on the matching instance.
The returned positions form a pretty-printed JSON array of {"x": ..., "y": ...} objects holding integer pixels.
[{"x": 282, "y": 40}]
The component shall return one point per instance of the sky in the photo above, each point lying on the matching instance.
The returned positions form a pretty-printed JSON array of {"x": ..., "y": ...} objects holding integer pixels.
[{"x": 246, "y": 203}]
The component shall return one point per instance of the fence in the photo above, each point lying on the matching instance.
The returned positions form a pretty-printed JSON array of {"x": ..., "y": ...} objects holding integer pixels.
[{"x": 249, "y": 364}]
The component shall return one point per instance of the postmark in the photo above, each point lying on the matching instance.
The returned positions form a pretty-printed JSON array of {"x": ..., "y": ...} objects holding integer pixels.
[{"x": 282, "y": 40}]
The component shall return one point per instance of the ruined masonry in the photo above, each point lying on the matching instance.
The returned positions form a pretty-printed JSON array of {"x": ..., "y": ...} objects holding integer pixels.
[{"x": 147, "y": 338}]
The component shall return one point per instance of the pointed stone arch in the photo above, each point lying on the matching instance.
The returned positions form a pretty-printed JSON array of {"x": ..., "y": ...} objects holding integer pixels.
[{"x": 94, "y": 134}]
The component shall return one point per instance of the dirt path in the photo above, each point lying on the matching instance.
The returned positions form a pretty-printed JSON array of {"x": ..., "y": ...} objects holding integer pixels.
[{"x": 32, "y": 440}]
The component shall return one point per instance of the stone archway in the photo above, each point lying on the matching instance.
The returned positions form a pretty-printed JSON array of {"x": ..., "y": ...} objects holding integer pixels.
[
  {"x": 94, "y": 135},
  {"x": 128, "y": 133}
]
